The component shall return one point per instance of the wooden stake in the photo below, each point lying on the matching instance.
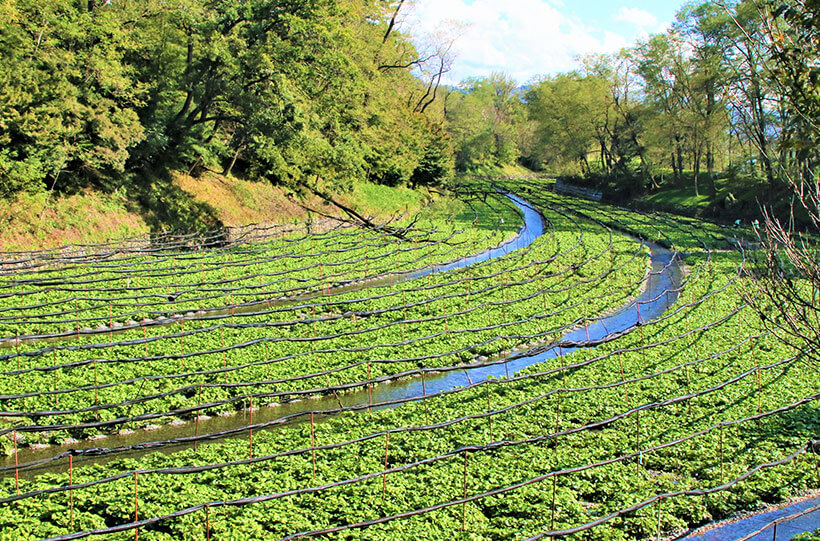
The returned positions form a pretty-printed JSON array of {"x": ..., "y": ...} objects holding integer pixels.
[
  {"x": 96, "y": 382},
  {"x": 638, "y": 439},
  {"x": 251, "y": 429},
  {"x": 489, "y": 410},
  {"x": 207, "y": 522},
  {"x": 224, "y": 353},
  {"x": 136, "y": 508},
  {"x": 313, "y": 445},
  {"x": 464, "y": 496},
  {"x": 198, "y": 413},
  {"x": 17, "y": 358},
  {"x": 424, "y": 393},
  {"x": 181, "y": 346},
  {"x": 384, "y": 477},
  {"x": 720, "y": 446},
  {"x": 623, "y": 379},
  {"x": 369, "y": 392},
  {"x": 660, "y": 502},
  {"x": 16, "y": 471},
  {"x": 71, "y": 492}
]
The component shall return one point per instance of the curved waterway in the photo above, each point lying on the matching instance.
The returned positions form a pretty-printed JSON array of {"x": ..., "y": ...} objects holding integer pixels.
[
  {"x": 532, "y": 228},
  {"x": 660, "y": 293}
]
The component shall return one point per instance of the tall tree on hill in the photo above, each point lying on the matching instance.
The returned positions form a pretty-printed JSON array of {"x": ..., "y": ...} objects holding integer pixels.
[
  {"x": 68, "y": 96},
  {"x": 484, "y": 118},
  {"x": 704, "y": 28}
]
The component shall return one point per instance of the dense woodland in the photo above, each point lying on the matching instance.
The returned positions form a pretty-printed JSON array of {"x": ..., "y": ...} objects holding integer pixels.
[
  {"x": 319, "y": 94},
  {"x": 113, "y": 93}
]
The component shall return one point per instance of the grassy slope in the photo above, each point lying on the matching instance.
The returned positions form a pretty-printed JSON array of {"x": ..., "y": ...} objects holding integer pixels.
[{"x": 37, "y": 221}]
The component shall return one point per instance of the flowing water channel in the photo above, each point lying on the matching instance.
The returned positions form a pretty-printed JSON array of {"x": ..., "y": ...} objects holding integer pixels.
[{"x": 660, "y": 293}]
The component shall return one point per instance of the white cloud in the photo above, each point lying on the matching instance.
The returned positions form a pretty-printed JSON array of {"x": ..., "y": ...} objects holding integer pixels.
[
  {"x": 523, "y": 38},
  {"x": 637, "y": 17}
]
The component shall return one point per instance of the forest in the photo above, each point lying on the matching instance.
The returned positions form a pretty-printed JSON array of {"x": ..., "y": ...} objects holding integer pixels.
[
  {"x": 111, "y": 94},
  {"x": 724, "y": 104},
  {"x": 322, "y": 94}
]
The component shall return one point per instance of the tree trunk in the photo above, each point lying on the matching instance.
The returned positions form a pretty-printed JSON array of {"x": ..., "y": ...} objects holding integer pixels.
[
  {"x": 233, "y": 161},
  {"x": 679, "y": 156},
  {"x": 710, "y": 168}
]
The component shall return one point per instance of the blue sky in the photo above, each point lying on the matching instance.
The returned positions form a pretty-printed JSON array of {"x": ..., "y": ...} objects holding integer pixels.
[{"x": 527, "y": 38}]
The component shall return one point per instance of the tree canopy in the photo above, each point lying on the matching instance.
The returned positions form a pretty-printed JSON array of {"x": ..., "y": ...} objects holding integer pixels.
[{"x": 291, "y": 91}]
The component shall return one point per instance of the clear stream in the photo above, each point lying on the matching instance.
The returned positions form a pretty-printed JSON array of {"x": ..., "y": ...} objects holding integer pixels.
[{"x": 660, "y": 293}]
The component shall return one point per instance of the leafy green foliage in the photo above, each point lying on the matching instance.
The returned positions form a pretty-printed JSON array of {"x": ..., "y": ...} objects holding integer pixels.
[{"x": 288, "y": 92}]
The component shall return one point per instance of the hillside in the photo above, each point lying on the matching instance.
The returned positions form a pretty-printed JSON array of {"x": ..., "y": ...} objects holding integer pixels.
[{"x": 188, "y": 204}]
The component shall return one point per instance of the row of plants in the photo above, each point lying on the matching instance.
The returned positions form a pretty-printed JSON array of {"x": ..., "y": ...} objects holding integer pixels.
[
  {"x": 440, "y": 320},
  {"x": 660, "y": 410},
  {"x": 96, "y": 294}
]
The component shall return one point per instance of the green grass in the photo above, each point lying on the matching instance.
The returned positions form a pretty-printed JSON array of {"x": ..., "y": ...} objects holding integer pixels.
[{"x": 32, "y": 221}]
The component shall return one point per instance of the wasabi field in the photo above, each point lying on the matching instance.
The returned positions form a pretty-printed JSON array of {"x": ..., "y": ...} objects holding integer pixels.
[{"x": 507, "y": 363}]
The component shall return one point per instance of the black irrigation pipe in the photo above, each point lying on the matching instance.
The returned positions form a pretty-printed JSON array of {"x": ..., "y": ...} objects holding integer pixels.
[
  {"x": 426, "y": 234},
  {"x": 218, "y": 235},
  {"x": 651, "y": 221},
  {"x": 781, "y": 520},
  {"x": 176, "y": 269},
  {"x": 177, "y": 335},
  {"x": 389, "y": 269},
  {"x": 344, "y": 387},
  {"x": 254, "y": 303},
  {"x": 296, "y": 378},
  {"x": 244, "y": 278},
  {"x": 240, "y": 430},
  {"x": 202, "y": 285},
  {"x": 230, "y": 247},
  {"x": 216, "y": 242},
  {"x": 464, "y": 450},
  {"x": 341, "y": 317},
  {"x": 240, "y": 291},
  {"x": 361, "y": 439},
  {"x": 125, "y": 264},
  {"x": 243, "y": 384},
  {"x": 321, "y": 305},
  {"x": 688, "y": 493},
  {"x": 496, "y": 492},
  {"x": 154, "y": 244},
  {"x": 221, "y": 265}
]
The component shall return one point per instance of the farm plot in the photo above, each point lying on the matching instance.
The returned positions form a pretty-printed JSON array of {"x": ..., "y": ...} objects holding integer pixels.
[{"x": 685, "y": 418}]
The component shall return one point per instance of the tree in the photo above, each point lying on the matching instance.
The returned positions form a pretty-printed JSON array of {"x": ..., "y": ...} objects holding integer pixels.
[
  {"x": 483, "y": 119},
  {"x": 569, "y": 112},
  {"x": 789, "y": 280},
  {"x": 69, "y": 96}
]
